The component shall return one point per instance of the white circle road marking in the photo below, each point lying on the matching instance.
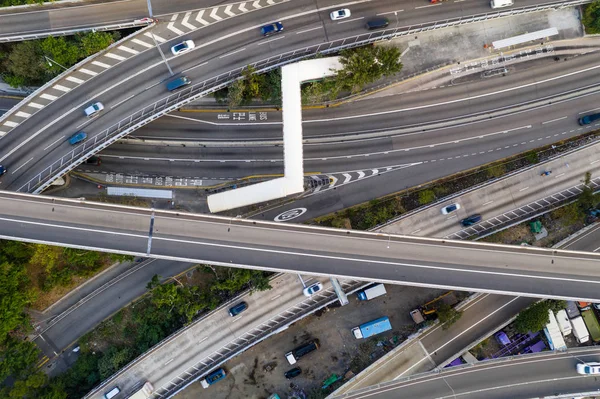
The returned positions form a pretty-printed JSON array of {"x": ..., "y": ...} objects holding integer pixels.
[{"x": 290, "y": 214}]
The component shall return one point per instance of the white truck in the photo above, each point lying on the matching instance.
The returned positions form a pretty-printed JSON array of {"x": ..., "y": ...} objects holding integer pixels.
[
  {"x": 371, "y": 292},
  {"x": 580, "y": 331},
  {"x": 563, "y": 322}
]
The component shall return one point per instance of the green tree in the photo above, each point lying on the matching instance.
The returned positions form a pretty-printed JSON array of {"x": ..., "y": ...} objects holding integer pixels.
[
  {"x": 93, "y": 42},
  {"x": 569, "y": 214},
  {"x": 591, "y": 17},
  {"x": 61, "y": 50},
  {"x": 17, "y": 358},
  {"x": 365, "y": 65},
  {"x": 14, "y": 297},
  {"x": 25, "y": 61},
  {"x": 586, "y": 198},
  {"x": 447, "y": 315},
  {"x": 534, "y": 318},
  {"x": 236, "y": 280},
  {"x": 235, "y": 93}
]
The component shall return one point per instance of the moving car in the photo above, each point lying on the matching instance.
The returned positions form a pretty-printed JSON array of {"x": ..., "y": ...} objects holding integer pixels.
[
  {"x": 377, "y": 23},
  {"x": 77, "y": 138},
  {"x": 183, "y": 47},
  {"x": 2, "y": 170},
  {"x": 295, "y": 372},
  {"x": 177, "y": 83},
  {"x": 588, "y": 368},
  {"x": 237, "y": 309},
  {"x": 586, "y": 120},
  {"x": 340, "y": 14},
  {"x": 270, "y": 29},
  {"x": 501, "y": 3},
  {"x": 312, "y": 289},
  {"x": 93, "y": 160},
  {"x": 93, "y": 109},
  {"x": 112, "y": 393},
  {"x": 450, "y": 208},
  {"x": 471, "y": 220}
]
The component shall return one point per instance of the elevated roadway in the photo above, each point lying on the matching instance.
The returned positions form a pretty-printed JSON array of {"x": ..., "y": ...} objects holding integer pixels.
[
  {"x": 270, "y": 246},
  {"x": 546, "y": 374}
]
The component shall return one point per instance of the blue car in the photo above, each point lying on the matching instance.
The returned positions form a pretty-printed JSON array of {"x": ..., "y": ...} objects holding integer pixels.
[
  {"x": 471, "y": 220},
  {"x": 237, "y": 309},
  {"x": 271, "y": 29},
  {"x": 77, "y": 138},
  {"x": 586, "y": 120}
]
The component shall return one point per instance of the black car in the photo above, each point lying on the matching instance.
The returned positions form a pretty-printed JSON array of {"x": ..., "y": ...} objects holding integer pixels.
[
  {"x": 237, "y": 309},
  {"x": 471, "y": 220},
  {"x": 295, "y": 372},
  {"x": 93, "y": 160}
]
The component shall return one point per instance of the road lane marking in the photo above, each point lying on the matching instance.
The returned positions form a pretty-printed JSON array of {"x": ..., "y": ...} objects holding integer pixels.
[
  {"x": 169, "y": 361},
  {"x": 309, "y": 30},
  {"x": 35, "y": 105},
  {"x": 101, "y": 64},
  {"x": 350, "y": 20},
  {"x": 15, "y": 171},
  {"x": 189, "y": 69},
  {"x": 554, "y": 120},
  {"x": 142, "y": 43},
  {"x": 427, "y": 6},
  {"x": 593, "y": 162},
  {"x": 116, "y": 57},
  {"x": 233, "y": 52},
  {"x": 121, "y": 102},
  {"x": 22, "y": 114},
  {"x": 75, "y": 80},
  {"x": 275, "y": 297},
  {"x": 390, "y": 12},
  {"x": 54, "y": 142},
  {"x": 62, "y": 88},
  {"x": 414, "y": 232},
  {"x": 271, "y": 40},
  {"x": 589, "y": 110},
  {"x": 559, "y": 175},
  {"x": 523, "y": 189},
  {"x": 487, "y": 203}
]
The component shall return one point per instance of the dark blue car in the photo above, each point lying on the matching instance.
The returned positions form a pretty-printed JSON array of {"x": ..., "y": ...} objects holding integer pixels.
[
  {"x": 271, "y": 28},
  {"x": 77, "y": 138},
  {"x": 237, "y": 309},
  {"x": 586, "y": 120},
  {"x": 471, "y": 220}
]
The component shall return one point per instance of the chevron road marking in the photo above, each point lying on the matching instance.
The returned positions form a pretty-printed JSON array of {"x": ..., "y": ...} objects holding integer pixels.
[
  {"x": 158, "y": 38},
  {"x": 347, "y": 177},
  {"x": 61, "y": 88},
  {"x": 185, "y": 21},
  {"x": 101, "y": 64},
  {"x": 142, "y": 43},
  {"x": 228, "y": 11},
  {"x": 213, "y": 14},
  {"x": 242, "y": 7},
  {"x": 75, "y": 80},
  {"x": 199, "y": 18},
  {"x": 256, "y": 4},
  {"x": 128, "y": 50},
  {"x": 35, "y": 105},
  {"x": 375, "y": 171},
  {"x": 11, "y": 124},
  {"x": 114, "y": 56},
  {"x": 87, "y": 72},
  {"x": 22, "y": 114},
  {"x": 335, "y": 180},
  {"x": 361, "y": 174},
  {"x": 48, "y": 97}
]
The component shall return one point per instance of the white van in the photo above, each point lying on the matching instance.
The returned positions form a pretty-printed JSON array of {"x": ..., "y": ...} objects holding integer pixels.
[
  {"x": 563, "y": 322},
  {"x": 112, "y": 393},
  {"x": 501, "y": 3}
]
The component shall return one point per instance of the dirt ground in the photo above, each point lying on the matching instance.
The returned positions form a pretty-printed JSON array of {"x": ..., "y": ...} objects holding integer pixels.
[{"x": 258, "y": 372}]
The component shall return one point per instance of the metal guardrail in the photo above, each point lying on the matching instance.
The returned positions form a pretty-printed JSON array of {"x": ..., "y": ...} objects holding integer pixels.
[
  {"x": 170, "y": 103},
  {"x": 67, "y": 32}
]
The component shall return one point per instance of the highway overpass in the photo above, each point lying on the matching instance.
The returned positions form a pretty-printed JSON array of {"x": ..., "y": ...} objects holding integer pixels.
[
  {"x": 306, "y": 249},
  {"x": 545, "y": 374}
]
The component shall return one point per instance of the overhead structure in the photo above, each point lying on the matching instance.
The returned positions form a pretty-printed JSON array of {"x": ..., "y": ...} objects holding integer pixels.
[{"x": 292, "y": 182}]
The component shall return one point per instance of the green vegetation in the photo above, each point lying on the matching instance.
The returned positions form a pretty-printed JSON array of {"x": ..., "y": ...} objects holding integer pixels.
[
  {"x": 7, "y": 3},
  {"x": 535, "y": 317},
  {"x": 447, "y": 315},
  {"x": 591, "y": 17},
  {"x": 426, "y": 196},
  {"x": 28, "y": 271},
  {"x": 361, "y": 66},
  {"x": 24, "y": 63},
  {"x": 264, "y": 87}
]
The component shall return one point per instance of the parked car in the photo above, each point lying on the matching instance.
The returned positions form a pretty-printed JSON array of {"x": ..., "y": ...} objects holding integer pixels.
[
  {"x": 312, "y": 289},
  {"x": 295, "y": 372},
  {"x": 471, "y": 220},
  {"x": 77, "y": 138},
  {"x": 237, "y": 309},
  {"x": 112, "y": 393},
  {"x": 93, "y": 160},
  {"x": 588, "y": 368},
  {"x": 340, "y": 14},
  {"x": 270, "y": 29},
  {"x": 93, "y": 109},
  {"x": 183, "y": 47},
  {"x": 450, "y": 208}
]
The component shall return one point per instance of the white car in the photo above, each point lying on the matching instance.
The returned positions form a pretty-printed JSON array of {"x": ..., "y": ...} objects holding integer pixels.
[
  {"x": 93, "y": 109},
  {"x": 340, "y": 14},
  {"x": 450, "y": 208},
  {"x": 312, "y": 289},
  {"x": 182, "y": 47},
  {"x": 588, "y": 368}
]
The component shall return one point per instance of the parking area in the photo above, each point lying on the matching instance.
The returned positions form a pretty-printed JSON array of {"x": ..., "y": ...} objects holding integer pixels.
[{"x": 259, "y": 371}]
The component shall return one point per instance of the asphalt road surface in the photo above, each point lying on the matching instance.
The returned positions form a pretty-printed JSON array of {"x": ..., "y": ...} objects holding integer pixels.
[{"x": 285, "y": 247}]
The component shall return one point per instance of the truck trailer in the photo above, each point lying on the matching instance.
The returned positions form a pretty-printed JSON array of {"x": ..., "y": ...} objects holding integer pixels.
[
  {"x": 580, "y": 331},
  {"x": 371, "y": 292},
  {"x": 372, "y": 327},
  {"x": 212, "y": 378},
  {"x": 553, "y": 334},
  {"x": 144, "y": 392},
  {"x": 591, "y": 322}
]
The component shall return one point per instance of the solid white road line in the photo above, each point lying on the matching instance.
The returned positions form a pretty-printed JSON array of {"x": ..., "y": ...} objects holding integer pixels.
[
  {"x": 554, "y": 120},
  {"x": 232, "y": 53},
  {"x": 54, "y": 142},
  {"x": 309, "y": 30},
  {"x": 26, "y": 162},
  {"x": 390, "y": 12},
  {"x": 271, "y": 40},
  {"x": 350, "y": 20}
]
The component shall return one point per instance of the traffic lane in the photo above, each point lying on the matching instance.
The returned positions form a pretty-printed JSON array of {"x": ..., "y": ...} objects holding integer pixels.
[
  {"x": 101, "y": 304},
  {"x": 587, "y": 241},
  {"x": 486, "y": 315},
  {"x": 554, "y": 374},
  {"x": 43, "y": 19}
]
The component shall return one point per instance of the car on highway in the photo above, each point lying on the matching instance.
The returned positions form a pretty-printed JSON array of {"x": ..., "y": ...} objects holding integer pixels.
[
  {"x": 183, "y": 47},
  {"x": 2, "y": 170},
  {"x": 340, "y": 14},
  {"x": 178, "y": 83},
  {"x": 93, "y": 109},
  {"x": 450, "y": 208},
  {"x": 270, "y": 29},
  {"x": 295, "y": 372},
  {"x": 312, "y": 289},
  {"x": 237, "y": 309},
  {"x": 377, "y": 23},
  {"x": 588, "y": 368},
  {"x": 112, "y": 393},
  {"x": 586, "y": 120},
  {"x": 471, "y": 220},
  {"x": 77, "y": 138}
]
